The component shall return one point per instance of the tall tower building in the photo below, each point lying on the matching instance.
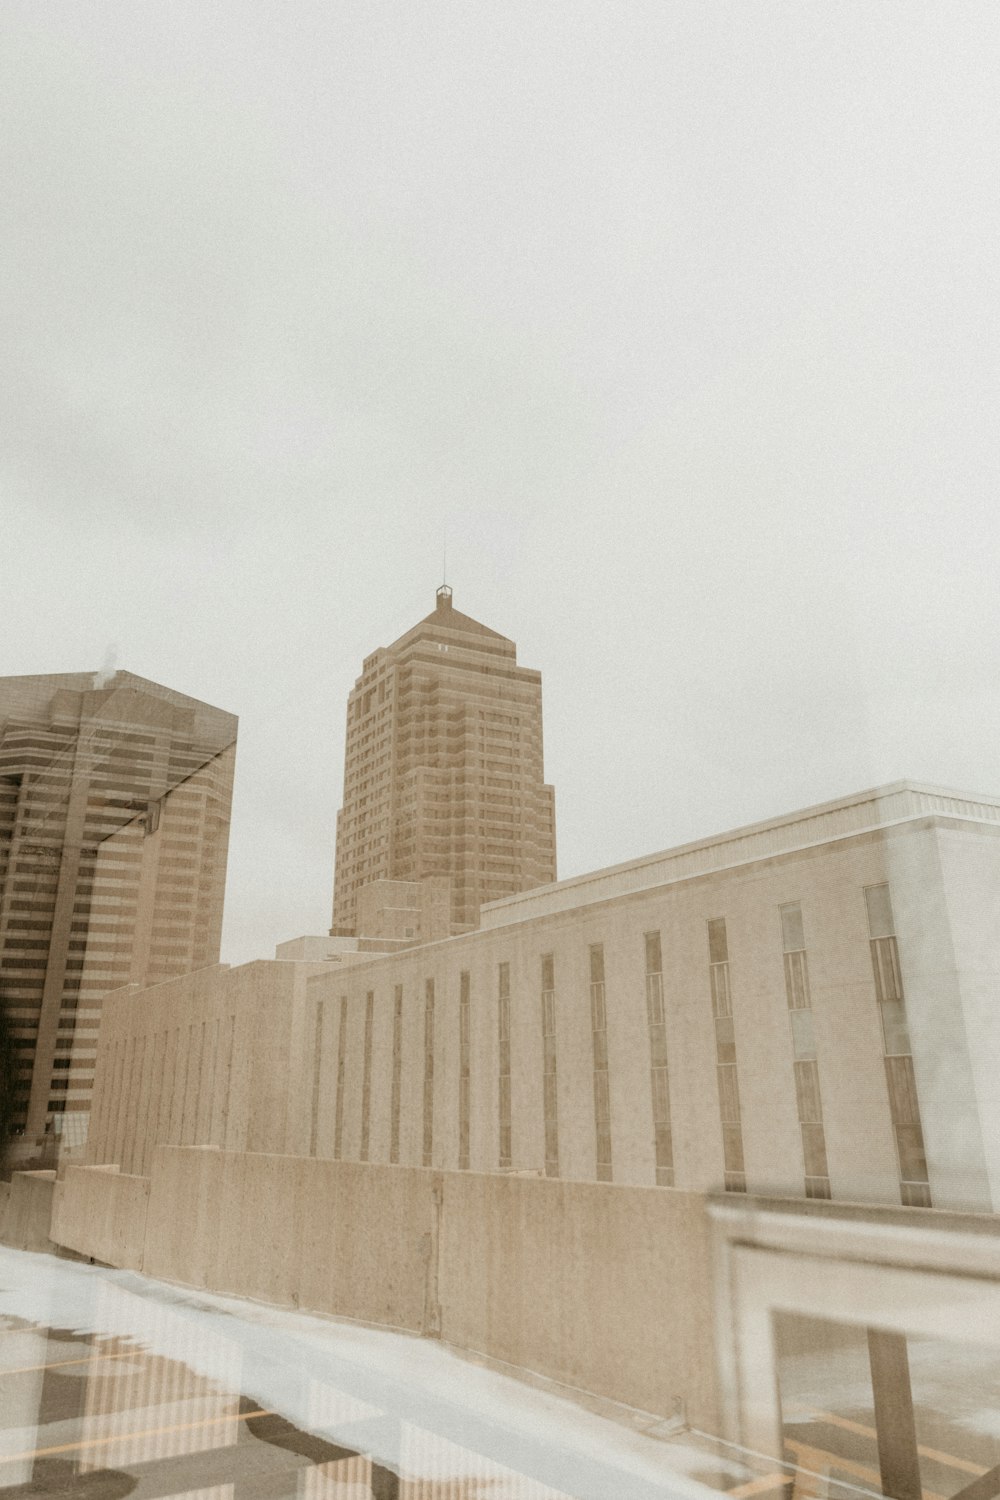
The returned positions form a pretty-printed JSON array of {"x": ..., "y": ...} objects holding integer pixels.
[
  {"x": 115, "y": 797},
  {"x": 445, "y": 804}
]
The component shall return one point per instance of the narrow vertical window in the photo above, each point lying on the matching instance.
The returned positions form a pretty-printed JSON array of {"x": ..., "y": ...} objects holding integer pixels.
[
  {"x": 464, "y": 1069},
  {"x": 317, "y": 1073},
  {"x": 734, "y": 1179},
  {"x": 366, "y": 1075},
  {"x": 808, "y": 1098},
  {"x": 602, "y": 1092},
  {"x": 397, "y": 1072},
  {"x": 503, "y": 1037},
  {"x": 428, "y": 1143},
  {"x": 658, "y": 1076},
  {"x": 904, "y": 1107},
  {"x": 549, "y": 1089},
  {"x": 338, "y": 1126}
]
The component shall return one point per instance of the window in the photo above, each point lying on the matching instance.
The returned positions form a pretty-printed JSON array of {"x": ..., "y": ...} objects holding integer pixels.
[
  {"x": 503, "y": 1037},
  {"x": 464, "y": 1069},
  {"x": 659, "y": 1082},
  {"x": 734, "y": 1171},
  {"x": 602, "y": 1091},
  {"x": 428, "y": 1135},
  {"x": 366, "y": 1075},
  {"x": 397, "y": 1071},
  {"x": 901, "y": 1084},
  {"x": 550, "y": 1100}
]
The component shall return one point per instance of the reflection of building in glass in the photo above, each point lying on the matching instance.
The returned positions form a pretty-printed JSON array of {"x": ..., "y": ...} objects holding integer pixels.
[
  {"x": 114, "y": 824},
  {"x": 445, "y": 806}
]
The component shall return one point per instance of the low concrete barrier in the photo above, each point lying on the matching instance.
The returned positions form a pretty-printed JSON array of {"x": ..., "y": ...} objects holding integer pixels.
[
  {"x": 27, "y": 1211},
  {"x": 602, "y": 1287},
  {"x": 101, "y": 1213},
  {"x": 605, "y": 1288}
]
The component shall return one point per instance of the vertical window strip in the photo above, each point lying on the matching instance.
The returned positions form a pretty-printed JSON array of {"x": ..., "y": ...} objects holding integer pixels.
[
  {"x": 503, "y": 1037},
  {"x": 397, "y": 1072},
  {"x": 366, "y": 1076},
  {"x": 550, "y": 1098},
  {"x": 734, "y": 1168},
  {"x": 659, "y": 1078},
  {"x": 338, "y": 1125},
  {"x": 904, "y": 1107},
  {"x": 428, "y": 1140},
  {"x": 602, "y": 1092},
  {"x": 317, "y": 1073},
  {"x": 800, "y": 1017},
  {"x": 464, "y": 1069}
]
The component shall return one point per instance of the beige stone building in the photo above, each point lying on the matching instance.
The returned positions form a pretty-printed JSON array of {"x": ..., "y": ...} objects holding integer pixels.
[
  {"x": 803, "y": 1007},
  {"x": 445, "y": 804},
  {"x": 115, "y": 798}
]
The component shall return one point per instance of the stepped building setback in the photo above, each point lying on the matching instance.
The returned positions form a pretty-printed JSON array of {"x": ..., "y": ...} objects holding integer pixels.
[{"x": 445, "y": 804}]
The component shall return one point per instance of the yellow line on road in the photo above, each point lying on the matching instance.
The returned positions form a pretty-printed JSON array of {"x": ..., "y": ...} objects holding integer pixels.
[
  {"x": 818, "y": 1459},
  {"x": 758, "y": 1486},
  {"x": 61, "y": 1364},
  {"x": 934, "y": 1454},
  {"x": 126, "y": 1437}
]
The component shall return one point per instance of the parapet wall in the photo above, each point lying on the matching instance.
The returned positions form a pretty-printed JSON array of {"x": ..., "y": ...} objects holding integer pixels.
[{"x": 603, "y": 1288}]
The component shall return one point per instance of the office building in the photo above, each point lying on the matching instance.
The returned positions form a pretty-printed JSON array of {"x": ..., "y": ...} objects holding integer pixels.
[
  {"x": 799, "y": 1008},
  {"x": 445, "y": 804},
  {"x": 115, "y": 798}
]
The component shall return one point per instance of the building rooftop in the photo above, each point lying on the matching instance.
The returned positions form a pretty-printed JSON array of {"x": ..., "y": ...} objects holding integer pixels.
[{"x": 879, "y": 807}]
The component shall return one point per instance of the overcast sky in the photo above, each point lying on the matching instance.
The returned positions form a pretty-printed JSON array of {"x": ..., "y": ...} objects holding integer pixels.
[{"x": 679, "y": 318}]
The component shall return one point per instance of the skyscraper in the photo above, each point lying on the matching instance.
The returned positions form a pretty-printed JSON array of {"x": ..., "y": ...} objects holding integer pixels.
[
  {"x": 445, "y": 804},
  {"x": 115, "y": 798}
]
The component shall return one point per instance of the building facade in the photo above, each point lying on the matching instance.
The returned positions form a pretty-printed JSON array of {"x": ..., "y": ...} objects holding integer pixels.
[
  {"x": 445, "y": 804},
  {"x": 115, "y": 797},
  {"x": 801, "y": 1008}
]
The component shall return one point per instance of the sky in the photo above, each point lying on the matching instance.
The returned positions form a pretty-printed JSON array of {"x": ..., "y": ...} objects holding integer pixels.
[{"x": 676, "y": 320}]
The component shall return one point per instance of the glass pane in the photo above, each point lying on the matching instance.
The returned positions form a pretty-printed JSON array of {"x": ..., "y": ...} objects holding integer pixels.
[
  {"x": 880, "y": 923},
  {"x": 654, "y": 960},
  {"x": 718, "y": 948},
  {"x": 895, "y": 1032},
  {"x": 791, "y": 928},
  {"x": 803, "y": 1035}
]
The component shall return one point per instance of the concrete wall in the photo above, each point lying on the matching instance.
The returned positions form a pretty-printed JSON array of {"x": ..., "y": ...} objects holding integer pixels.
[
  {"x": 26, "y": 1211},
  {"x": 606, "y": 1289},
  {"x": 250, "y": 1059},
  {"x": 214, "y": 1058},
  {"x": 603, "y": 1289},
  {"x": 101, "y": 1214}
]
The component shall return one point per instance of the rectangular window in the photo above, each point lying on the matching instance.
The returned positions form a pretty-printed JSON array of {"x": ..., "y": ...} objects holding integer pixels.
[
  {"x": 428, "y": 1136},
  {"x": 550, "y": 1095},
  {"x": 366, "y": 1075},
  {"x": 807, "y": 1092},
  {"x": 397, "y": 1072},
  {"x": 464, "y": 1069},
  {"x": 338, "y": 1126},
  {"x": 602, "y": 1089},
  {"x": 317, "y": 1071},
  {"x": 901, "y": 1084},
  {"x": 659, "y": 1082},
  {"x": 734, "y": 1178},
  {"x": 503, "y": 1037}
]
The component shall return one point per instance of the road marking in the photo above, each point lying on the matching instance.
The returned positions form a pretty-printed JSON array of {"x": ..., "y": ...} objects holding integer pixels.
[
  {"x": 818, "y": 1459},
  {"x": 935, "y": 1454},
  {"x": 125, "y": 1437},
  {"x": 61, "y": 1364},
  {"x": 759, "y": 1486}
]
